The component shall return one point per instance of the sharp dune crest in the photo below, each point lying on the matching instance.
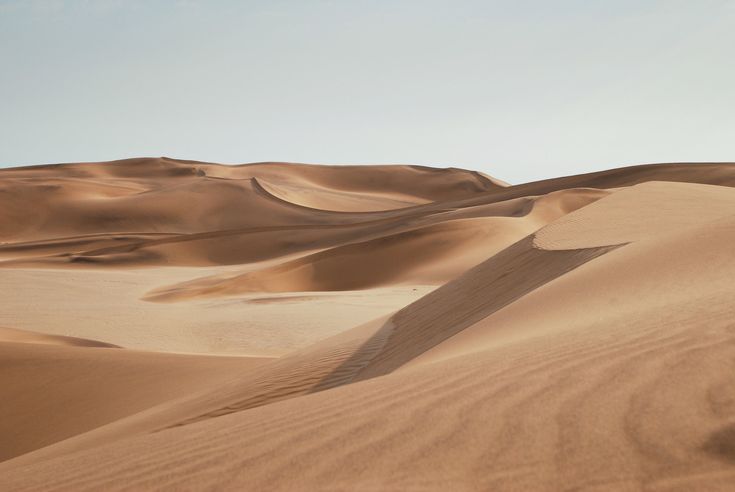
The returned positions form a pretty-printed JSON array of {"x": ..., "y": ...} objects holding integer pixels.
[
  {"x": 23, "y": 336},
  {"x": 182, "y": 325}
]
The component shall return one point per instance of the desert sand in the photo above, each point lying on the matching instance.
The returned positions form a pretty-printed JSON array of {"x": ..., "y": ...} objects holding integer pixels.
[{"x": 181, "y": 325}]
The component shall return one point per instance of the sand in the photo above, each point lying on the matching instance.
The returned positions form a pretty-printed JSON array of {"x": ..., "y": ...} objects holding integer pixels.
[{"x": 180, "y": 325}]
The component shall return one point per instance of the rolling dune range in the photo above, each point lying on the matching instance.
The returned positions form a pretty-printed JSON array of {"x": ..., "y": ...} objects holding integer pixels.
[{"x": 180, "y": 325}]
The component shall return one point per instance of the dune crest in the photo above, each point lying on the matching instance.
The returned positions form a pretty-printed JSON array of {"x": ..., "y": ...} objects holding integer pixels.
[{"x": 23, "y": 336}]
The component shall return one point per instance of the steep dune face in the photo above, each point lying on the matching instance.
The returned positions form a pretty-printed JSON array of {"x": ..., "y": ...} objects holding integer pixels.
[
  {"x": 165, "y": 195},
  {"x": 448, "y": 244},
  {"x": 645, "y": 273},
  {"x": 367, "y": 188},
  {"x": 577, "y": 334}
]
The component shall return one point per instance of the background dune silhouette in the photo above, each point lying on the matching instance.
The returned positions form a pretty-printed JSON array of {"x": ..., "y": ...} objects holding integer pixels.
[{"x": 172, "y": 324}]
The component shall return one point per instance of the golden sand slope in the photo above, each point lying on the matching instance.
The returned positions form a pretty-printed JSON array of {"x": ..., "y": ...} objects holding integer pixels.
[
  {"x": 590, "y": 348},
  {"x": 54, "y": 392}
]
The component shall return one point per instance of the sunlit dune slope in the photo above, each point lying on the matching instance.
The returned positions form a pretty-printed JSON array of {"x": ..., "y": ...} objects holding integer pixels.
[{"x": 57, "y": 387}]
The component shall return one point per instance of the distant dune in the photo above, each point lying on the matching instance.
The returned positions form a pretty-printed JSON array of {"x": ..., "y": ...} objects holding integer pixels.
[{"x": 181, "y": 325}]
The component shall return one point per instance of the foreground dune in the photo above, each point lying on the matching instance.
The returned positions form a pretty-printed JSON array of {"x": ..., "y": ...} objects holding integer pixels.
[
  {"x": 569, "y": 334},
  {"x": 63, "y": 390}
]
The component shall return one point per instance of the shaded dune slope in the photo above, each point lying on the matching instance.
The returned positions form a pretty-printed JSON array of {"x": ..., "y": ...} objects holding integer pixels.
[
  {"x": 145, "y": 195},
  {"x": 138, "y": 205},
  {"x": 448, "y": 244}
]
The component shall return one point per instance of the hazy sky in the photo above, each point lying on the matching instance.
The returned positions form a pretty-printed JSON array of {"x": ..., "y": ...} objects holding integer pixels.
[{"x": 520, "y": 89}]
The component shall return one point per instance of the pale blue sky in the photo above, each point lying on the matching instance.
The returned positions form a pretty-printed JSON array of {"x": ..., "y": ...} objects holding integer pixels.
[{"x": 520, "y": 89}]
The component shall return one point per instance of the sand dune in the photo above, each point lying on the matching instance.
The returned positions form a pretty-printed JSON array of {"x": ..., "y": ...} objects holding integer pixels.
[
  {"x": 55, "y": 215},
  {"x": 450, "y": 243},
  {"x": 408, "y": 328},
  {"x": 146, "y": 195},
  {"x": 60, "y": 391}
]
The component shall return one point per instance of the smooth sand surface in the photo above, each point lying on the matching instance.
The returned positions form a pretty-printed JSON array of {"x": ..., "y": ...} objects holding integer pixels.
[
  {"x": 387, "y": 328},
  {"x": 54, "y": 392}
]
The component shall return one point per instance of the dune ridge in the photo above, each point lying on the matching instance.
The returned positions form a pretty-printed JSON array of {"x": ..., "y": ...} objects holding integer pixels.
[
  {"x": 24, "y": 336},
  {"x": 572, "y": 333}
]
